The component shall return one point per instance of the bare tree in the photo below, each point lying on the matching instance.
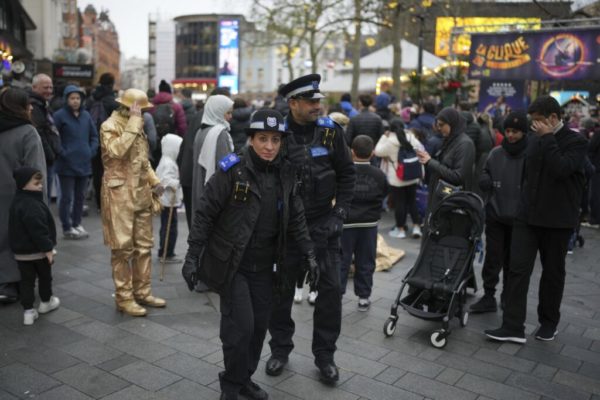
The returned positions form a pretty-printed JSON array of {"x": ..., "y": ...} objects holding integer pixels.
[{"x": 292, "y": 23}]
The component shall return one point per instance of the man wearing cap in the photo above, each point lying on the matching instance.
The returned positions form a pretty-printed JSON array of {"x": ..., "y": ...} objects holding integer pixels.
[
  {"x": 127, "y": 187},
  {"x": 325, "y": 171},
  {"x": 248, "y": 210}
]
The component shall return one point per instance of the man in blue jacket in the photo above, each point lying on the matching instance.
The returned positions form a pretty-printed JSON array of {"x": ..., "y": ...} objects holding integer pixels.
[
  {"x": 548, "y": 212},
  {"x": 79, "y": 141}
]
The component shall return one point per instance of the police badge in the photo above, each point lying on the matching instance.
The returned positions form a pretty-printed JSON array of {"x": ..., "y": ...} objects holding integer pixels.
[{"x": 272, "y": 122}]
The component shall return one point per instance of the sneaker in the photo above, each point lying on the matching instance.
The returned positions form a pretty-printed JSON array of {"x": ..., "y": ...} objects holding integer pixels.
[
  {"x": 298, "y": 295},
  {"x": 505, "y": 335},
  {"x": 29, "y": 317},
  {"x": 546, "y": 333},
  {"x": 50, "y": 305},
  {"x": 81, "y": 231},
  {"x": 416, "y": 233},
  {"x": 486, "y": 304},
  {"x": 173, "y": 260},
  {"x": 72, "y": 234},
  {"x": 364, "y": 304},
  {"x": 569, "y": 252},
  {"x": 312, "y": 298},
  {"x": 397, "y": 233}
]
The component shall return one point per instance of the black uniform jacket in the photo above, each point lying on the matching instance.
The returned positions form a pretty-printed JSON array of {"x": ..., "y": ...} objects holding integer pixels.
[
  {"x": 323, "y": 164},
  {"x": 554, "y": 180},
  {"x": 227, "y": 215}
]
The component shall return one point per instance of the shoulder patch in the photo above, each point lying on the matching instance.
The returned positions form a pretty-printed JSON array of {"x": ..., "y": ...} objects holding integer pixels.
[
  {"x": 228, "y": 161},
  {"x": 325, "y": 122}
]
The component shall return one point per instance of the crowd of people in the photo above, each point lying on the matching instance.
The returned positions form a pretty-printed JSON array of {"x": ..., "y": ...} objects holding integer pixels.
[{"x": 279, "y": 196}]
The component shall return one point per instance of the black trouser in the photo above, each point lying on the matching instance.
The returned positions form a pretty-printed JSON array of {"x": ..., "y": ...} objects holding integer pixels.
[
  {"x": 30, "y": 270},
  {"x": 187, "y": 202},
  {"x": 245, "y": 315},
  {"x": 327, "y": 317},
  {"x": 497, "y": 255},
  {"x": 595, "y": 198},
  {"x": 405, "y": 202},
  {"x": 164, "y": 221},
  {"x": 362, "y": 243},
  {"x": 526, "y": 241},
  {"x": 97, "y": 173}
]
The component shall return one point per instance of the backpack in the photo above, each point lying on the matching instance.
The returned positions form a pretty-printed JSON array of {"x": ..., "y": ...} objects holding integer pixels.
[
  {"x": 98, "y": 113},
  {"x": 408, "y": 167},
  {"x": 164, "y": 119}
]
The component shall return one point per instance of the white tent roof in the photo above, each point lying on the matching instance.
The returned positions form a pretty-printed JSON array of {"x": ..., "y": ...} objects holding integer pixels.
[
  {"x": 379, "y": 63},
  {"x": 383, "y": 58}
]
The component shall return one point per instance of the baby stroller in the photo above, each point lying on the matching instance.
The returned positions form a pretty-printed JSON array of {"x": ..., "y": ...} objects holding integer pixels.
[{"x": 437, "y": 284}]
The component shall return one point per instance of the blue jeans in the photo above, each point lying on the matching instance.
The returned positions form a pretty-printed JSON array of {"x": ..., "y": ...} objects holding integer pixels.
[
  {"x": 72, "y": 195},
  {"x": 164, "y": 219}
]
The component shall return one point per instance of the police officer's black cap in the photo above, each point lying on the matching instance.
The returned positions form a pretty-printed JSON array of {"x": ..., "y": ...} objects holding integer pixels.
[
  {"x": 305, "y": 87},
  {"x": 267, "y": 121}
]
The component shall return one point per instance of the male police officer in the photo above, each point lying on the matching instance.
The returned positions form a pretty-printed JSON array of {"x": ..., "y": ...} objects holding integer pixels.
[{"x": 325, "y": 172}]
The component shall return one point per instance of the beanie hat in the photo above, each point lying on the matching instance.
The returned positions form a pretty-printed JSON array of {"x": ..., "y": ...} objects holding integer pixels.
[
  {"x": 23, "y": 175},
  {"x": 163, "y": 86},
  {"x": 516, "y": 120}
]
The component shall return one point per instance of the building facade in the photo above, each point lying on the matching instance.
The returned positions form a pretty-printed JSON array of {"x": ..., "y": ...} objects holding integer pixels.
[
  {"x": 134, "y": 74},
  {"x": 99, "y": 37},
  {"x": 15, "y": 22}
]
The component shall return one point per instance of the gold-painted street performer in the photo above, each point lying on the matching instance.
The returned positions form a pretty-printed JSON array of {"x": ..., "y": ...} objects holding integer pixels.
[{"x": 127, "y": 188}]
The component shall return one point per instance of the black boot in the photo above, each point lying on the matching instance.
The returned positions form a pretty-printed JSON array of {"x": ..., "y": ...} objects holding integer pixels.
[{"x": 486, "y": 304}]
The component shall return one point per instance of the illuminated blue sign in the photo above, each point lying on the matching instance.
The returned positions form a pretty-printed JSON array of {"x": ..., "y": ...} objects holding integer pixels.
[{"x": 229, "y": 55}]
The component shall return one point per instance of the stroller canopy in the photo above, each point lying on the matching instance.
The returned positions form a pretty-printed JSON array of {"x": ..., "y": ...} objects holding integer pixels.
[{"x": 465, "y": 203}]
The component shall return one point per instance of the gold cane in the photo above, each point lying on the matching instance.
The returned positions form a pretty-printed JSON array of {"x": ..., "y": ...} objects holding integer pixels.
[{"x": 164, "y": 254}]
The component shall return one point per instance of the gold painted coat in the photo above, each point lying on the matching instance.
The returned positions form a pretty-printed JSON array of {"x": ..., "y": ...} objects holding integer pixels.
[{"x": 127, "y": 182}]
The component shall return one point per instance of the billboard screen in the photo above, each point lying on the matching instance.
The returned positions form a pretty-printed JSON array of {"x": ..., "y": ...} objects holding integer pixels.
[
  {"x": 462, "y": 43},
  {"x": 512, "y": 91},
  {"x": 573, "y": 54},
  {"x": 229, "y": 55}
]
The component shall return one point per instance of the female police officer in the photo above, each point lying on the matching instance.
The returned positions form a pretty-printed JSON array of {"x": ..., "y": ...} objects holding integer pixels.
[{"x": 236, "y": 244}]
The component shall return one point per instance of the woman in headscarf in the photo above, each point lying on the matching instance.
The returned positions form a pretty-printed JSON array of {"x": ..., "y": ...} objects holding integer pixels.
[
  {"x": 212, "y": 143},
  {"x": 453, "y": 162}
]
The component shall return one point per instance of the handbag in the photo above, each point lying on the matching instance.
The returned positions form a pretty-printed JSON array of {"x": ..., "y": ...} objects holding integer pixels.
[{"x": 443, "y": 189}]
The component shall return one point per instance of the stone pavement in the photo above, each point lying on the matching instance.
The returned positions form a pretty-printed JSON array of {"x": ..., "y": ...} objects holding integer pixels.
[{"x": 87, "y": 350}]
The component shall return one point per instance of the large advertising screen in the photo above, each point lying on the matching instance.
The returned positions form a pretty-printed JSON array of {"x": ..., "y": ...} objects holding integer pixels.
[
  {"x": 461, "y": 43},
  {"x": 513, "y": 93},
  {"x": 229, "y": 55},
  {"x": 550, "y": 55}
]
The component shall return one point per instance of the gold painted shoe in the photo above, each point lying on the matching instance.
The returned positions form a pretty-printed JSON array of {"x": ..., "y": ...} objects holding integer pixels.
[
  {"x": 152, "y": 301},
  {"x": 132, "y": 308}
]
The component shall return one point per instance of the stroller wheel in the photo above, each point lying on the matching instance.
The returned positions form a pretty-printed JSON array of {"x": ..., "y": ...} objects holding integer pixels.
[
  {"x": 438, "y": 340},
  {"x": 464, "y": 318},
  {"x": 389, "y": 327}
]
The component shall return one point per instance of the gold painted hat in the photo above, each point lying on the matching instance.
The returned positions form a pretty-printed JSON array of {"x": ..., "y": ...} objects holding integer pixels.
[{"x": 134, "y": 95}]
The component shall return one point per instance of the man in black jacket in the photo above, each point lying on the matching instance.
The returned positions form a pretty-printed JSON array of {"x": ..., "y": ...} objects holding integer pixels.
[
  {"x": 41, "y": 116},
  {"x": 365, "y": 123},
  {"x": 318, "y": 151},
  {"x": 548, "y": 213}
]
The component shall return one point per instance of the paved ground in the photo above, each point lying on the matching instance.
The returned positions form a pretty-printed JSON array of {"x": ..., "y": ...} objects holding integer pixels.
[{"x": 88, "y": 350}]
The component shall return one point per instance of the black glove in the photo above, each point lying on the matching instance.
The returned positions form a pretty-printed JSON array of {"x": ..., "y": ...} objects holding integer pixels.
[
  {"x": 190, "y": 270},
  {"x": 313, "y": 271},
  {"x": 330, "y": 228}
]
